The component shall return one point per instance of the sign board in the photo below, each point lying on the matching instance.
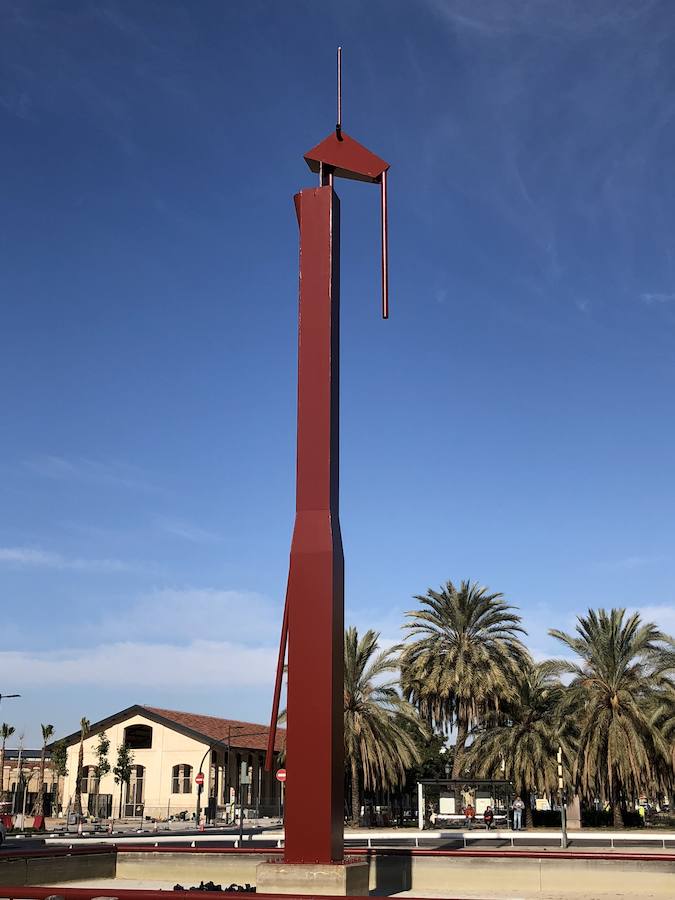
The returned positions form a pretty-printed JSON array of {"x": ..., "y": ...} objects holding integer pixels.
[
  {"x": 199, "y": 778},
  {"x": 281, "y": 775}
]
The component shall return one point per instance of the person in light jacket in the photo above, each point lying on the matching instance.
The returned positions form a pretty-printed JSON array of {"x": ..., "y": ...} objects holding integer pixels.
[{"x": 518, "y": 807}]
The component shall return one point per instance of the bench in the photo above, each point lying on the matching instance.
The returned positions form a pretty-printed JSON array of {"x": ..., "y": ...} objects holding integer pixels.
[{"x": 458, "y": 819}]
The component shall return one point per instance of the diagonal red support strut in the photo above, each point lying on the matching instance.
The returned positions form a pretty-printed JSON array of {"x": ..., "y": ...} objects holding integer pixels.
[{"x": 271, "y": 740}]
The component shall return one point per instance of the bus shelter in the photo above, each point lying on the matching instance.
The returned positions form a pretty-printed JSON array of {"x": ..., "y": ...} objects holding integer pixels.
[{"x": 441, "y": 802}]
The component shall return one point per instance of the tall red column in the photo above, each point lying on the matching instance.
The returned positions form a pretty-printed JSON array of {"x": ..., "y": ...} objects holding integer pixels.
[{"x": 314, "y": 808}]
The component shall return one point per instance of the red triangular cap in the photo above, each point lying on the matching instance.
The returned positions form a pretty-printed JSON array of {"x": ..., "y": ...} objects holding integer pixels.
[{"x": 347, "y": 158}]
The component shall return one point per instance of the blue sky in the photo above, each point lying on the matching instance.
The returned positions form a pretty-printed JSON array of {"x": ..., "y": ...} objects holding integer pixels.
[{"x": 511, "y": 423}]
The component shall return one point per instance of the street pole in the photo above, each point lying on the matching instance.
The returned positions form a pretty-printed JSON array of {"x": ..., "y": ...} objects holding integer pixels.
[
  {"x": 563, "y": 802},
  {"x": 242, "y": 788},
  {"x": 199, "y": 787},
  {"x": 19, "y": 774},
  {"x": 226, "y": 792}
]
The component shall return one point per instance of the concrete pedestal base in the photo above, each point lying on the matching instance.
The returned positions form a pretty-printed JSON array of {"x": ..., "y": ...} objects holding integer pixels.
[
  {"x": 574, "y": 814},
  {"x": 348, "y": 879}
]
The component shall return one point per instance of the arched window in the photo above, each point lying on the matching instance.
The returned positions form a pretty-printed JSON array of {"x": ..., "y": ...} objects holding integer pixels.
[
  {"x": 88, "y": 780},
  {"x": 181, "y": 779},
  {"x": 138, "y": 737}
]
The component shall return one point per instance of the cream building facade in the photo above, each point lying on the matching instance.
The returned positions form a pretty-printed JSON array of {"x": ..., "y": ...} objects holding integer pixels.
[{"x": 169, "y": 748}]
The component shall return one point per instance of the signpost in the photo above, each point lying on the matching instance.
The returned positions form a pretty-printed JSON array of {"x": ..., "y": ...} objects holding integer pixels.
[
  {"x": 281, "y": 778},
  {"x": 199, "y": 781}
]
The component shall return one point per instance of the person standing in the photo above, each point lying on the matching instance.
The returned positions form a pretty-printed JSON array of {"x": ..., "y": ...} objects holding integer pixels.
[{"x": 518, "y": 807}]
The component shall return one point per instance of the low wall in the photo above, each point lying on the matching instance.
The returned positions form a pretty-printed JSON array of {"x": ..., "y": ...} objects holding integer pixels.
[
  {"x": 188, "y": 868},
  {"x": 537, "y": 876},
  {"x": 52, "y": 868},
  {"x": 460, "y": 874}
]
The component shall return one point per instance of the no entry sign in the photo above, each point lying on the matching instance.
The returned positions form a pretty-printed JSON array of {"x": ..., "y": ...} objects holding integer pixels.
[
  {"x": 281, "y": 775},
  {"x": 199, "y": 778}
]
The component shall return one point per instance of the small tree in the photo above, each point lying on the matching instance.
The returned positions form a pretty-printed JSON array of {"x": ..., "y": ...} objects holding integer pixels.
[
  {"x": 39, "y": 805},
  {"x": 6, "y": 731},
  {"x": 59, "y": 769},
  {"x": 102, "y": 765},
  {"x": 122, "y": 770},
  {"x": 84, "y": 731}
]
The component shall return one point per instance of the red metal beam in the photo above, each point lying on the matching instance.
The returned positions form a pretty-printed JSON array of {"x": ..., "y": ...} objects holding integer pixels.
[{"x": 315, "y": 597}]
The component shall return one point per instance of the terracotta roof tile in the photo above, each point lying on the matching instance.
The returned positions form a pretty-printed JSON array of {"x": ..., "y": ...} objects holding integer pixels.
[{"x": 246, "y": 735}]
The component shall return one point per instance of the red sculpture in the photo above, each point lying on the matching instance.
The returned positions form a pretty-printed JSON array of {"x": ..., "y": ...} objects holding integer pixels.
[{"x": 314, "y": 611}]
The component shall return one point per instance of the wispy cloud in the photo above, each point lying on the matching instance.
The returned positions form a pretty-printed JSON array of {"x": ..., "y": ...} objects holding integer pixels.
[
  {"x": 32, "y": 557},
  {"x": 186, "y": 530},
  {"x": 662, "y": 615},
  {"x": 179, "y": 615},
  {"x": 163, "y": 665},
  {"x": 631, "y": 562},
  {"x": 495, "y": 17},
  {"x": 650, "y": 299},
  {"x": 88, "y": 471}
]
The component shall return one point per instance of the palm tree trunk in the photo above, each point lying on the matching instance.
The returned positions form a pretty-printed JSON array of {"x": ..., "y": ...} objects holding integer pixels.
[
  {"x": 460, "y": 743},
  {"x": 527, "y": 811},
  {"x": 356, "y": 795},
  {"x": 616, "y": 815},
  {"x": 617, "y": 818},
  {"x": 77, "y": 805},
  {"x": 39, "y": 805},
  {"x": 458, "y": 761}
]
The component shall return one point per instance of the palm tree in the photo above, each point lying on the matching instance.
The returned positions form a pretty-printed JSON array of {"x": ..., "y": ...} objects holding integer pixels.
[
  {"x": 59, "y": 770},
  {"x": 521, "y": 742},
  {"x": 621, "y": 748},
  {"x": 378, "y": 746},
  {"x": 465, "y": 660},
  {"x": 6, "y": 731},
  {"x": 39, "y": 805},
  {"x": 84, "y": 731}
]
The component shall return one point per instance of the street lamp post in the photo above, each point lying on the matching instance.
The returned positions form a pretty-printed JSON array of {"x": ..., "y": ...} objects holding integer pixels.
[
  {"x": 563, "y": 802},
  {"x": 200, "y": 786},
  {"x": 201, "y": 765},
  {"x": 8, "y": 696}
]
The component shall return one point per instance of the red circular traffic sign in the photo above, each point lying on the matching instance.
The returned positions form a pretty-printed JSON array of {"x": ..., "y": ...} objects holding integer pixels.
[
  {"x": 199, "y": 778},
  {"x": 281, "y": 775}
]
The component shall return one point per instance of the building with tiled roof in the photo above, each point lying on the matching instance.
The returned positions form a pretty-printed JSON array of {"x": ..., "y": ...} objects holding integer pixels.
[{"x": 169, "y": 748}]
